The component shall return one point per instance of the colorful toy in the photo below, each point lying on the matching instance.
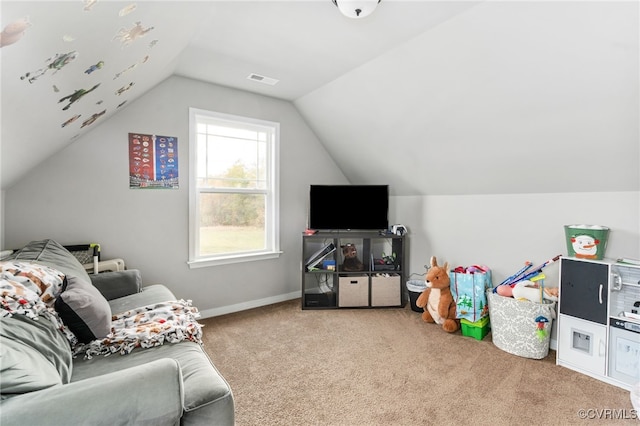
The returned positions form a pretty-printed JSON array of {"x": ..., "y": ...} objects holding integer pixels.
[
  {"x": 540, "y": 331},
  {"x": 437, "y": 300},
  {"x": 531, "y": 291}
]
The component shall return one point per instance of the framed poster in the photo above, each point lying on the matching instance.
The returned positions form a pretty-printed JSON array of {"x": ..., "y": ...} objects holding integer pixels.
[{"x": 153, "y": 161}]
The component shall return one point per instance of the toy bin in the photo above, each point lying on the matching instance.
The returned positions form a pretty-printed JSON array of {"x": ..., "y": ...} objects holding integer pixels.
[
  {"x": 477, "y": 329},
  {"x": 586, "y": 241},
  {"x": 514, "y": 328}
]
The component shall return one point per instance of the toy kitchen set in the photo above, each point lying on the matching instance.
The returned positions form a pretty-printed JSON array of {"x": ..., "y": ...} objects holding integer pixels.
[{"x": 599, "y": 315}]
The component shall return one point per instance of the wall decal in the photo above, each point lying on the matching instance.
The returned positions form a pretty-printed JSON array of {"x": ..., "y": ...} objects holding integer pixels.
[
  {"x": 120, "y": 104},
  {"x": 125, "y": 70},
  {"x": 55, "y": 88},
  {"x": 93, "y": 118},
  {"x": 153, "y": 43},
  {"x": 130, "y": 67},
  {"x": 153, "y": 161},
  {"x": 88, "y": 4},
  {"x": 123, "y": 89},
  {"x": 14, "y": 31},
  {"x": 76, "y": 96},
  {"x": 127, "y": 37},
  {"x": 56, "y": 63},
  {"x": 67, "y": 38},
  {"x": 127, "y": 10},
  {"x": 71, "y": 120},
  {"x": 94, "y": 67}
]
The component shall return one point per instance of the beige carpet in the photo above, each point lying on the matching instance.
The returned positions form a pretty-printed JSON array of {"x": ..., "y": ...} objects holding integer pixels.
[{"x": 287, "y": 366}]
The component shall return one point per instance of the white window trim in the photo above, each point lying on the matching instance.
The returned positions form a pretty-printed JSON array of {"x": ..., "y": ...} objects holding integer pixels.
[{"x": 272, "y": 227}]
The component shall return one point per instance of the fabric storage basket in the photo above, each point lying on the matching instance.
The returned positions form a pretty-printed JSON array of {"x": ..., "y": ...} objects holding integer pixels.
[{"x": 514, "y": 327}]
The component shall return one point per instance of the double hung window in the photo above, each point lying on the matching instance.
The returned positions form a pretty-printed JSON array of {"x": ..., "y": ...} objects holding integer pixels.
[{"x": 233, "y": 191}]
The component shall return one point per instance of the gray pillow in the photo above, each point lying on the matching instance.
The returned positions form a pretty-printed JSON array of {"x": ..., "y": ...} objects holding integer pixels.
[
  {"x": 51, "y": 253},
  {"x": 84, "y": 310}
]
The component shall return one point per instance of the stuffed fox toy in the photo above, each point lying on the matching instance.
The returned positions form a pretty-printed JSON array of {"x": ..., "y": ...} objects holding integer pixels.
[{"x": 437, "y": 300}]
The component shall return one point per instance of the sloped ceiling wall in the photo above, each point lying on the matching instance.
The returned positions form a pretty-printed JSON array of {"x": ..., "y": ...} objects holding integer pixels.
[
  {"x": 67, "y": 65},
  {"x": 430, "y": 97},
  {"x": 508, "y": 97}
]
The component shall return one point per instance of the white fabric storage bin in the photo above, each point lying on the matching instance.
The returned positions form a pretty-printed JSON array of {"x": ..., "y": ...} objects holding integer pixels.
[
  {"x": 353, "y": 291},
  {"x": 385, "y": 291},
  {"x": 514, "y": 327}
]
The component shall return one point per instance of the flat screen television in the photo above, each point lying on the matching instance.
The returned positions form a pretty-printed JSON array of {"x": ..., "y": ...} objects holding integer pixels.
[{"x": 349, "y": 207}]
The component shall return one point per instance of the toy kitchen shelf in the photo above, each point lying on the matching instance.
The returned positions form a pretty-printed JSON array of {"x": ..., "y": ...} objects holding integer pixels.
[
  {"x": 372, "y": 276},
  {"x": 598, "y": 322}
]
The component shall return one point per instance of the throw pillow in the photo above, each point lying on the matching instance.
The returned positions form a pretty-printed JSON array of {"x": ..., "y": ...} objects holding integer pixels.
[
  {"x": 51, "y": 253},
  {"x": 84, "y": 310}
]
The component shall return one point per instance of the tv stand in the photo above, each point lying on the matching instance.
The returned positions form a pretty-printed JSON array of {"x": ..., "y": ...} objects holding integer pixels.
[{"x": 374, "y": 278}]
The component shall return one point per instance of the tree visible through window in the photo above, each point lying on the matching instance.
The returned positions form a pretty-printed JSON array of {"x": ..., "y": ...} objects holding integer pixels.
[{"x": 233, "y": 196}]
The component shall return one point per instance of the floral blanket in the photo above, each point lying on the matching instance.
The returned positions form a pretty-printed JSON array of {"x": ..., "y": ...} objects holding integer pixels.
[{"x": 146, "y": 327}]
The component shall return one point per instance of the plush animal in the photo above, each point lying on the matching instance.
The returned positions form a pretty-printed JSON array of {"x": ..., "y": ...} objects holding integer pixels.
[
  {"x": 351, "y": 263},
  {"x": 437, "y": 299},
  {"x": 531, "y": 291}
]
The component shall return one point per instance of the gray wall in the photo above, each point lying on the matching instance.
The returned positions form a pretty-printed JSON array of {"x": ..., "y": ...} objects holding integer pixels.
[
  {"x": 504, "y": 231},
  {"x": 82, "y": 195}
]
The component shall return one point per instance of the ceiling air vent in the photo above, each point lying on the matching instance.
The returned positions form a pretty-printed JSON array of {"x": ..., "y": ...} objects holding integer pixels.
[{"x": 262, "y": 79}]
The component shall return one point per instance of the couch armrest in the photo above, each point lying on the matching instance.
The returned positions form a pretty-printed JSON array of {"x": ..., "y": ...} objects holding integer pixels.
[
  {"x": 148, "y": 394},
  {"x": 117, "y": 284}
]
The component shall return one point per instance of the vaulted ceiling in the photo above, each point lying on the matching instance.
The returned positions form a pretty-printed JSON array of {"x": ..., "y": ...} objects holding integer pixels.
[{"x": 432, "y": 97}]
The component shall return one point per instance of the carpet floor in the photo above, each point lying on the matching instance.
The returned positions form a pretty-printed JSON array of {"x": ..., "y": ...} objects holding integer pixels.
[{"x": 288, "y": 366}]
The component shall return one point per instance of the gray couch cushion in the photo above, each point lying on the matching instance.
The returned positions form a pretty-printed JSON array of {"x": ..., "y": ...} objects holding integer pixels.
[
  {"x": 51, "y": 253},
  {"x": 45, "y": 351},
  {"x": 24, "y": 369},
  {"x": 149, "y": 295},
  {"x": 117, "y": 284},
  {"x": 204, "y": 387},
  {"x": 202, "y": 382}
]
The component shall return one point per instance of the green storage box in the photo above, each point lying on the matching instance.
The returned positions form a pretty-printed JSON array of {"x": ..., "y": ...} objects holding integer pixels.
[{"x": 477, "y": 329}]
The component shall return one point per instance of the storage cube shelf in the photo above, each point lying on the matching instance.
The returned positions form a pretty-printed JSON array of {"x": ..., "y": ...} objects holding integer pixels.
[{"x": 352, "y": 270}]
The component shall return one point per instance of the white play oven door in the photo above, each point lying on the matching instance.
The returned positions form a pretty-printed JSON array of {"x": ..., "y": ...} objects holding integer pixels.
[{"x": 624, "y": 351}]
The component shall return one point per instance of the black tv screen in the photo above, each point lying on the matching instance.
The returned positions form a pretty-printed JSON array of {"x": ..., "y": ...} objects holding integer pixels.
[{"x": 348, "y": 207}]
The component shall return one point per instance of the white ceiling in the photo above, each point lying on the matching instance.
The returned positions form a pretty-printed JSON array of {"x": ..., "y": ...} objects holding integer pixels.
[{"x": 433, "y": 97}]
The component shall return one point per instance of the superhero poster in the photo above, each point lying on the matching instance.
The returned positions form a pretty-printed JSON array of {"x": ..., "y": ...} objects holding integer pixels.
[{"x": 153, "y": 161}]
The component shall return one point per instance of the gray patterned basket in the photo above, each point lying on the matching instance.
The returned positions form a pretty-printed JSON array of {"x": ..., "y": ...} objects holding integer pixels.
[{"x": 513, "y": 325}]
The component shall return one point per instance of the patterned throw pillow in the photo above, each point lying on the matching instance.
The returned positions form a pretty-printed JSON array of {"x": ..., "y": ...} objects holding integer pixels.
[{"x": 45, "y": 281}]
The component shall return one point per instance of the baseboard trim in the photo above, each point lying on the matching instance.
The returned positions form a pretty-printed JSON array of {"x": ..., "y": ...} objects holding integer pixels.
[{"x": 214, "y": 312}]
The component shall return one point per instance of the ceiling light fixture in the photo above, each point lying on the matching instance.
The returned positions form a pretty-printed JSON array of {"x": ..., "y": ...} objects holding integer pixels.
[{"x": 356, "y": 8}]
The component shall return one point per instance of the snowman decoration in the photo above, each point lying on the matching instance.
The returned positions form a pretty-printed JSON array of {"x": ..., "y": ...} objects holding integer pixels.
[{"x": 585, "y": 246}]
